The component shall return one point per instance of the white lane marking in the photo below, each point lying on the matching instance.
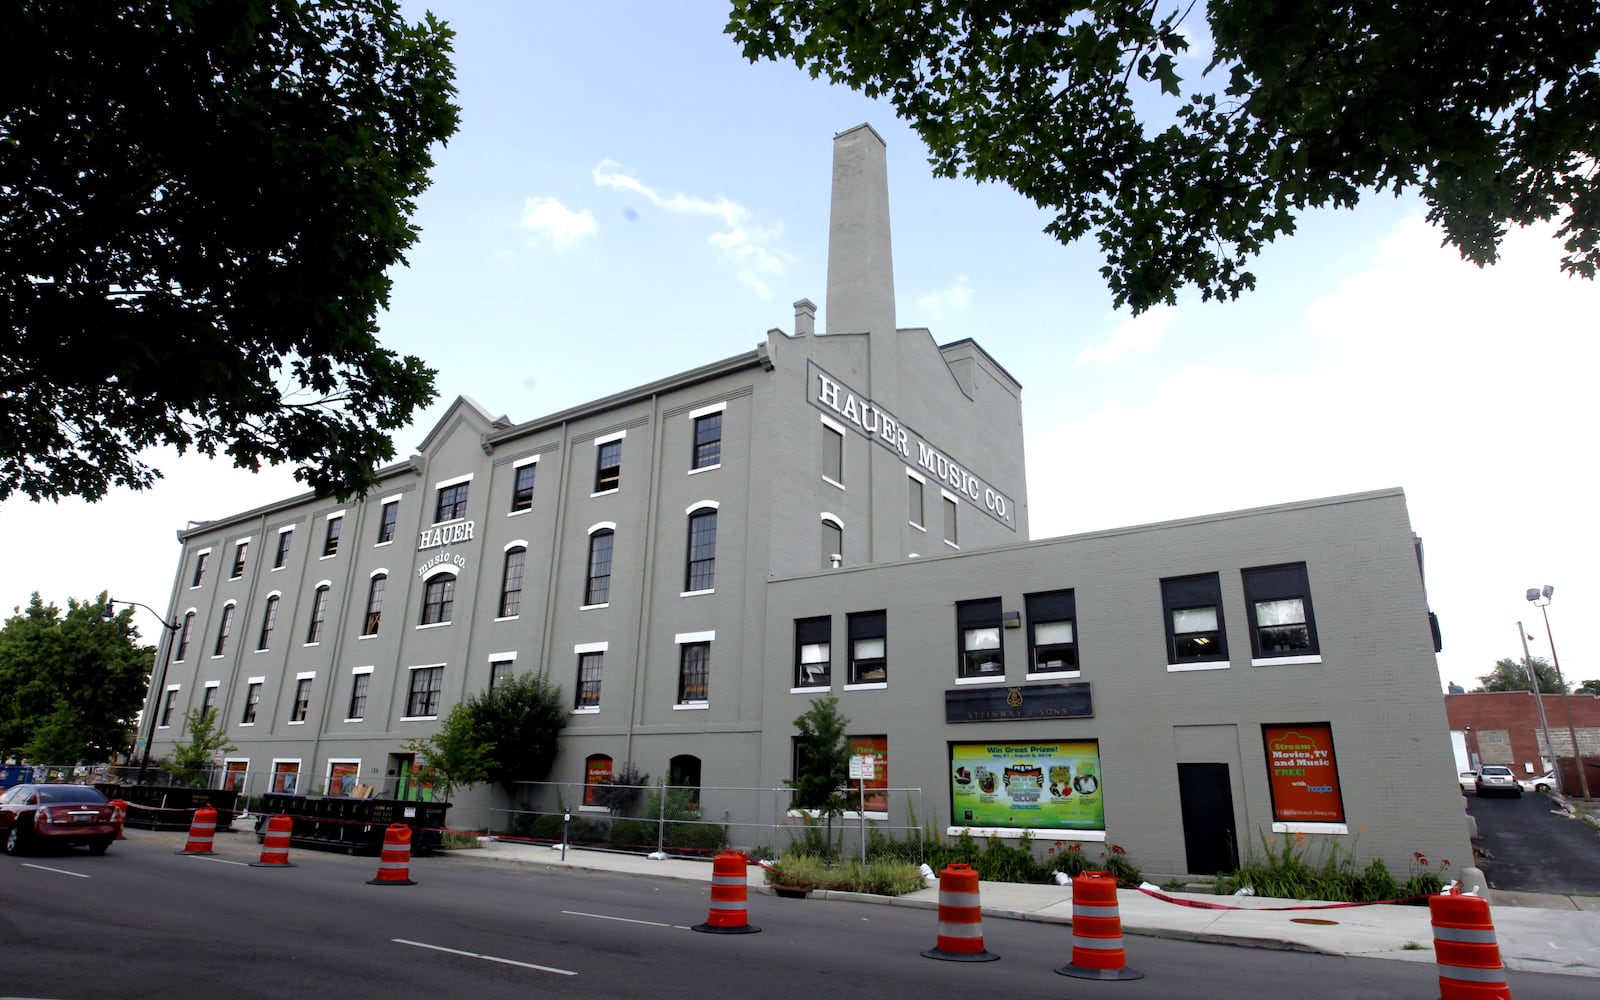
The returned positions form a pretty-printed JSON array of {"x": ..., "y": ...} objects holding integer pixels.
[
  {"x": 622, "y": 920},
  {"x": 58, "y": 871},
  {"x": 486, "y": 958},
  {"x": 220, "y": 861}
]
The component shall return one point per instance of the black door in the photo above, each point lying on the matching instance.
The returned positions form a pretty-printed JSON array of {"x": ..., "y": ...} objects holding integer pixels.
[{"x": 1209, "y": 839}]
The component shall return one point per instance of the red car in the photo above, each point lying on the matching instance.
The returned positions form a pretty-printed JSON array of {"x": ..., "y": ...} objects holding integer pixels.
[{"x": 56, "y": 814}]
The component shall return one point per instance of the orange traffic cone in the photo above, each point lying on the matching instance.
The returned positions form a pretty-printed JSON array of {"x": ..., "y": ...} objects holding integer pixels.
[
  {"x": 960, "y": 918},
  {"x": 275, "y": 845},
  {"x": 1097, "y": 930},
  {"x": 119, "y": 815},
  {"x": 202, "y": 831},
  {"x": 730, "y": 888},
  {"x": 1465, "y": 947},
  {"x": 394, "y": 864}
]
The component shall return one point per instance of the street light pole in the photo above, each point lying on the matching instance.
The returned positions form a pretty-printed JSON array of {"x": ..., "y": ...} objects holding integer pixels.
[
  {"x": 1535, "y": 595},
  {"x": 163, "y": 651},
  {"x": 1544, "y": 723}
]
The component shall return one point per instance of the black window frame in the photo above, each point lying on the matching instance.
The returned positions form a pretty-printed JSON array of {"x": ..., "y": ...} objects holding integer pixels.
[
  {"x": 269, "y": 621},
  {"x": 511, "y": 577},
  {"x": 280, "y": 558},
  {"x": 360, "y": 683},
  {"x": 224, "y": 630},
  {"x": 522, "y": 493},
  {"x": 319, "y": 615},
  {"x": 184, "y": 637},
  {"x": 694, "y": 673},
  {"x": 608, "y": 465},
  {"x": 1280, "y": 582},
  {"x": 817, "y": 631},
  {"x": 168, "y": 704},
  {"x": 500, "y": 671},
  {"x": 208, "y": 699},
  {"x": 302, "y": 700},
  {"x": 451, "y": 504},
  {"x": 388, "y": 521},
  {"x": 252, "y": 701},
  {"x": 707, "y": 441},
  {"x": 597, "y": 582},
  {"x": 438, "y": 599},
  {"x": 239, "y": 551},
  {"x": 330, "y": 538},
  {"x": 700, "y": 566},
  {"x": 377, "y": 587},
  {"x": 864, "y": 626},
  {"x": 200, "y": 560},
  {"x": 1052, "y": 607},
  {"x": 591, "y": 673},
  {"x": 973, "y": 617},
  {"x": 422, "y": 702},
  {"x": 1193, "y": 593}
]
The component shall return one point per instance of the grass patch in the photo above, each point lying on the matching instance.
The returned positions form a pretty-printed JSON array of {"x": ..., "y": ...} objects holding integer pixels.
[
  {"x": 883, "y": 878},
  {"x": 453, "y": 840}
]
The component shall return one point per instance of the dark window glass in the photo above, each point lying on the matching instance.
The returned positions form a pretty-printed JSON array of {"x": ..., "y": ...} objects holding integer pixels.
[
  {"x": 869, "y": 660},
  {"x": 252, "y": 698},
  {"x": 238, "y": 560},
  {"x": 978, "y": 629},
  {"x": 302, "y": 700},
  {"x": 388, "y": 520},
  {"x": 208, "y": 701},
  {"x": 223, "y": 630},
  {"x": 832, "y": 454},
  {"x": 184, "y": 637},
  {"x": 358, "y": 696},
  {"x": 589, "y": 667},
  {"x": 1278, "y": 599},
  {"x": 598, "y": 589},
  {"x": 511, "y": 583},
  {"x": 707, "y": 440},
  {"x": 285, "y": 540},
  {"x": 375, "y": 590},
  {"x": 319, "y": 612},
  {"x": 683, "y": 773},
  {"x": 330, "y": 544},
  {"x": 438, "y": 598},
  {"x": 269, "y": 621},
  {"x": 426, "y": 683},
  {"x": 522, "y": 489},
  {"x": 608, "y": 466},
  {"x": 813, "y": 656},
  {"x": 167, "y": 706},
  {"x": 694, "y": 672},
  {"x": 452, "y": 503},
  {"x": 500, "y": 671},
  {"x": 702, "y": 568},
  {"x": 1052, "y": 631},
  {"x": 1193, "y": 606},
  {"x": 199, "y": 568}
]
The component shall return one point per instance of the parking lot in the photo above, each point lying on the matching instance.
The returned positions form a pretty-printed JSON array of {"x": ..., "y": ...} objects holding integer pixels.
[{"x": 1530, "y": 844}]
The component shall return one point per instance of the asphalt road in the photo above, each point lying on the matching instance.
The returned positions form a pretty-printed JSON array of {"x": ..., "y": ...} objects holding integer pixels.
[
  {"x": 1533, "y": 848},
  {"x": 143, "y": 921}
]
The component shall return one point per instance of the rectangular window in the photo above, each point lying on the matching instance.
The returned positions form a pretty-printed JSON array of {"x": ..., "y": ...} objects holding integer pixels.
[
  {"x": 285, "y": 540},
  {"x": 319, "y": 613},
  {"x": 608, "y": 466},
  {"x": 813, "y": 656},
  {"x": 978, "y": 629},
  {"x": 208, "y": 701},
  {"x": 285, "y": 776},
  {"x": 388, "y": 520},
  {"x": 522, "y": 487},
  {"x": 238, "y": 560},
  {"x": 1052, "y": 634},
  {"x": 330, "y": 543},
  {"x": 950, "y": 536},
  {"x": 869, "y": 662},
  {"x": 511, "y": 583},
  {"x": 1278, "y": 601},
  {"x": 423, "y": 699},
  {"x": 167, "y": 707},
  {"x": 452, "y": 504},
  {"x": 1194, "y": 624},
  {"x": 358, "y": 695},
  {"x": 707, "y": 441},
  {"x": 223, "y": 630},
  {"x": 598, "y": 588},
  {"x": 589, "y": 667},
  {"x": 200, "y": 567},
  {"x": 438, "y": 599},
  {"x": 694, "y": 672},
  {"x": 252, "y": 698},
  {"x": 500, "y": 672},
  {"x": 832, "y": 454},
  {"x": 374, "y": 615},
  {"x": 914, "y": 501},
  {"x": 302, "y": 700},
  {"x": 701, "y": 573}
]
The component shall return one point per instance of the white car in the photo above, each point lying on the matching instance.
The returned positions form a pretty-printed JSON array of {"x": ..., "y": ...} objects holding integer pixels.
[
  {"x": 1539, "y": 783},
  {"x": 1468, "y": 781},
  {"x": 1498, "y": 779}
]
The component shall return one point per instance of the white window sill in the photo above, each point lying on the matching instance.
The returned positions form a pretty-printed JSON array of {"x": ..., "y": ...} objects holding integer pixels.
[
  {"x": 1006, "y": 833},
  {"x": 704, "y": 468},
  {"x": 418, "y": 718},
  {"x": 243, "y": 724},
  {"x": 953, "y": 545},
  {"x": 833, "y": 482},
  {"x": 587, "y": 711},
  {"x": 918, "y": 526},
  {"x": 277, "y": 569},
  {"x": 379, "y": 545},
  {"x": 219, "y": 656},
  {"x": 1179, "y": 668},
  {"x": 364, "y": 638},
  {"x": 430, "y": 625},
  {"x": 812, "y": 689},
  {"x": 358, "y": 719},
  {"x": 1273, "y": 661},
  {"x": 691, "y": 706},
  {"x": 165, "y": 726},
  {"x": 519, "y": 513},
  {"x": 1310, "y": 828},
  {"x": 605, "y": 493},
  {"x": 997, "y": 679},
  {"x": 697, "y": 593},
  {"x": 1051, "y": 675},
  {"x": 593, "y": 607},
  {"x": 308, "y": 645},
  {"x": 295, "y": 722},
  {"x": 873, "y": 686},
  {"x": 508, "y": 618}
]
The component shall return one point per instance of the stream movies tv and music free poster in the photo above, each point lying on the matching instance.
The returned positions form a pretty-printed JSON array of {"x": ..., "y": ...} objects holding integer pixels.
[
  {"x": 1304, "y": 773},
  {"x": 1054, "y": 786}
]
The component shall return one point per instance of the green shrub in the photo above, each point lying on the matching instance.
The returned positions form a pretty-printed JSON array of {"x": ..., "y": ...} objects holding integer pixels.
[
  {"x": 455, "y": 840},
  {"x": 883, "y": 878},
  {"x": 633, "y": 833},
  {"x": 1000, "y": 862},
  {"x": 701, "y": 838}
]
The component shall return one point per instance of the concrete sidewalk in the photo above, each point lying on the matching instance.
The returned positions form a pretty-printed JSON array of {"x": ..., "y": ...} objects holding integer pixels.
[{"x": 1535, "y": 932}]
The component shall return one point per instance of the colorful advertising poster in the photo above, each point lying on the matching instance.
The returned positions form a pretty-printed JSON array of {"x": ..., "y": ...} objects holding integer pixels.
[
  {"x": 1053, "y": 786},
  {"x": 876, "y": 747},
  {"x": 596, "y": 772},
  {"x": 1303, "y": 773}
]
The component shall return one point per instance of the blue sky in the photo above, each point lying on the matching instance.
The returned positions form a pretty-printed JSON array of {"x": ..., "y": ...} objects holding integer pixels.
[{"x": 628, "y": 198}]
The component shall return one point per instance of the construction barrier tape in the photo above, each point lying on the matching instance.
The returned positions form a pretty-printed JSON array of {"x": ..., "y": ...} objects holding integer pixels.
[{"x": 1150, "y": 890}]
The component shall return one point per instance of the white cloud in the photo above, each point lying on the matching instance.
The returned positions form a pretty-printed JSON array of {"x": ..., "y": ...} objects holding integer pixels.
[
  {"x": 1139, "y": 333},
  {"x": 939, "y": 304},
  {"x": 556, "y": 223},
  {"x": 747, "y": 247}
]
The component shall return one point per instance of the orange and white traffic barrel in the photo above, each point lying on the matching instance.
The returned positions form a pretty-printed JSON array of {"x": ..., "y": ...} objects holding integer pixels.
[
  {"x": 960, "y": 918},
  {"x": 394, "y": 864},
  {"x": 730, "y": 890},
  {"x": 1097, "y": 951},
  {"x": 275, "y": 843},
  {"x": 119, "y": 816},
  {"x": 1466, "y": 949},
  {"x": 202, "y": 831}
]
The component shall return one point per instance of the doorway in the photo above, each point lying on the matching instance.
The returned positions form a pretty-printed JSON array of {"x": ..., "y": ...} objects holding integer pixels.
[{"x": 1210, "y": 840}]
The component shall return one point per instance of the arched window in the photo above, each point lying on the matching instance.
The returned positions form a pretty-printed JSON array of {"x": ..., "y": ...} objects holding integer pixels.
[
  {"x": 597, "y": 589},
  {"x": 375, "y": 589},
  {"x": 832, "y": 542},
  {"x": 269, "y": 621},
  {"x": 438, "y": 597},
  {"x": 511, "y": 581},
  {"x": 701, "y": 572},
  {"x": 184, "y": 636},
  {"x": 319, "y": 613},
  {"x": 683, "y": 777},
  {"x": 223, "y": 630}
]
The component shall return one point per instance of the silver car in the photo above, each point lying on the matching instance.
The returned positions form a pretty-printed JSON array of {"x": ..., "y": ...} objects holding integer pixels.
[{"x": 1497, "y": 779}]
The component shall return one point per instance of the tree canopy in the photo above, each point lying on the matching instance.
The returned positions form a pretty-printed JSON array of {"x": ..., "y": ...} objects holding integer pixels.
[
  {"x": 521, "y": 718},
  {"x": 1512, "y": 675},
  {"x": 199, "y": 204},
  {"x": 1487, "y": 111},
  {"x": 1590, "y": 686},
  {"x": 822, "y": 759},
  {"x": 73, "y": 683}
]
